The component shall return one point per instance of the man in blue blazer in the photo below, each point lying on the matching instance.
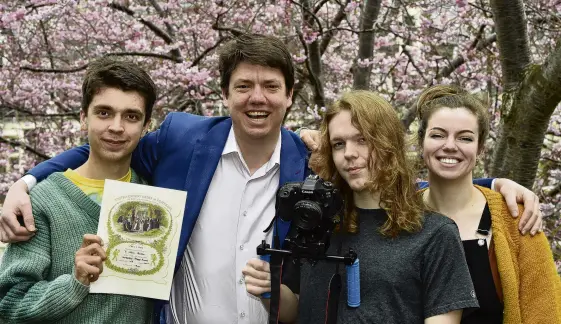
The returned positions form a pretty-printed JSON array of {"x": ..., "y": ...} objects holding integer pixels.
[{"x": 231, "y": 168}]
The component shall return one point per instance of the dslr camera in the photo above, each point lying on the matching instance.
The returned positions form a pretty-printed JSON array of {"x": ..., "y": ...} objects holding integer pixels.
[{"x": 314, "y": 208}]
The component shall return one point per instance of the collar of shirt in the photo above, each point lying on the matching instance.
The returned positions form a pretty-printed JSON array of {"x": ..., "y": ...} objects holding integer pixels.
[{"x": 232, "y": 147}]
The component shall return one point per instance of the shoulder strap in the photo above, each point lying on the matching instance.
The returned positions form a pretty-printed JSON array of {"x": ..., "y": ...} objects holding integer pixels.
[{"x": 485, "y": 222}]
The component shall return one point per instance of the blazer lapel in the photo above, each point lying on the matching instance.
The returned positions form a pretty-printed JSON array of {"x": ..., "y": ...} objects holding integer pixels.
[{"x": 206, "y": 155}]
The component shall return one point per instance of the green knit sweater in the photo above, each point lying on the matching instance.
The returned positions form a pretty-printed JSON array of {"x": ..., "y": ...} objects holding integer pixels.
[{"x": 37, "y": 283}]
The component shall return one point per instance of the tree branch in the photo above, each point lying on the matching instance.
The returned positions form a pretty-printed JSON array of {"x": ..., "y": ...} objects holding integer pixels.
[
  {"x": 313, "y": 61},
  {"x": 314, "y": 80},
  {"x": 308, "y": 14},
  {"x": 174, "y": 52},
  {"x": 47, "y": 45},
  {"x": 43, "y": 70},
  {"x": 85, "y": 66},
  {"x": 326, "y": 38},
  {"x": 32, "y": 114},
  {"x": 409, "y": 115},
  {"x": 319, "y": 5},
  {"x": 485, "y": 11},
  {"x": 31, "y": 7},
  {"x": 361, "y": 75},
  {"x": 459, "y": 60},
  {"x": 155, "y": 55},
  {"x": 162, "y": 14},
  {"x": 233, "y": 31},
  {"x": 512, "y": 40},
  {"x": 26, "y": 147},
  {"x": 406, "y": 52},
  {"x": 167, "y": 37},
  {"x": 206, "y": 51}
]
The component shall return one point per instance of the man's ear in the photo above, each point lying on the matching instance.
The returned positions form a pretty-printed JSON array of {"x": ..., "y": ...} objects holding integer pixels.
[{"x": 83, "y": 121}]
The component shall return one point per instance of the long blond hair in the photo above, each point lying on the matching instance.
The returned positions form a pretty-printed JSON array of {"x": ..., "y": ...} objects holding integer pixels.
[{"x": 391, "y": 172}]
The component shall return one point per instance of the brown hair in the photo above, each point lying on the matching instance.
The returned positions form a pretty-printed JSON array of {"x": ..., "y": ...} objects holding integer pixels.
[
  {"x": 391, "y": 173},
  {"x": 450, "y": 96},
  {"x": 255, "y": 49},
  {"x": 108, "y": 72}
]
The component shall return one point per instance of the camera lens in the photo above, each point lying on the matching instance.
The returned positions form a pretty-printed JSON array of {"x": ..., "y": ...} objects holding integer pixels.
[{"x": 308, "y": 214}]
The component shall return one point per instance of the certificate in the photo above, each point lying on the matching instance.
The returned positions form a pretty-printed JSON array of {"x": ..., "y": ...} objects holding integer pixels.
[{"x": 140, "y": 227}]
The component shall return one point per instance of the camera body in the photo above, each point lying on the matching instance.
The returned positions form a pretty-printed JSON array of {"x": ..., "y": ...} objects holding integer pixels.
[{"x": 314, "y": 208}]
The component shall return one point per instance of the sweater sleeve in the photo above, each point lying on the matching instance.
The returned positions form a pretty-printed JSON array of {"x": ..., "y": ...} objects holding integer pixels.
[
  {"x": 25, "y": 294},
  {"x": 540, "y": 285}
]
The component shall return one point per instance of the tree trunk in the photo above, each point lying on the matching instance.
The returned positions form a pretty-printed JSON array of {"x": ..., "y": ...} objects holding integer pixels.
[
  {"x": 361, "y": 75},
  {"x": 512, "y": 40},
  {"x": 531, "y": 95},
  {"x": 525, "y": 117},
  {"x": 314, "y": 56}
]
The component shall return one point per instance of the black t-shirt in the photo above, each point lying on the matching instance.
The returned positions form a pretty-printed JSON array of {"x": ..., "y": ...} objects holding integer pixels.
[{"x": 402, "y": 280}]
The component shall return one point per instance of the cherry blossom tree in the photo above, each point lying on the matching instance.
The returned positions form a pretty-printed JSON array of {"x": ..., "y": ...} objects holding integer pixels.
[{"x": 394, "y": 47}]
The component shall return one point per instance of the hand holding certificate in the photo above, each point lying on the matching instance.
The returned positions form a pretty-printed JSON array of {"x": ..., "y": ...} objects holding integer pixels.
[{"x": 140, "y": 226}]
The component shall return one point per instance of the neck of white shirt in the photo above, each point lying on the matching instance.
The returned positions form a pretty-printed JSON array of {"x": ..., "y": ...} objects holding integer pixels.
[{"x": 257, "y": 152}]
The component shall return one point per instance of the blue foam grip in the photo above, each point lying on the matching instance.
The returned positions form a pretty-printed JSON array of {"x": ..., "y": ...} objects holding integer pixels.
[
  {"x": 266, "y": 258},
  {"x": 353, "y": 284}
]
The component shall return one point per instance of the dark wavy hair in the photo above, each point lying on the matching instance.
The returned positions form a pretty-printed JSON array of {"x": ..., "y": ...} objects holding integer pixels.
[{"x": 392, "y": 173}]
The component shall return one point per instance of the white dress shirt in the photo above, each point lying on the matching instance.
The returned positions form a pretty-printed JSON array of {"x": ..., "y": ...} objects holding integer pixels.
[{"x": 238, "y": 207}]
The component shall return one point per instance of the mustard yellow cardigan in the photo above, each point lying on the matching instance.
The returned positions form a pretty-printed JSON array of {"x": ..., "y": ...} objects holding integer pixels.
[{"x": 530, "y": 283}]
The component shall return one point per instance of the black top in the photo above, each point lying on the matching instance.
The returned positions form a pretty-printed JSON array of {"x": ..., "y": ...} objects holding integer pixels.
[
  {"x": 402, "y": 280},
  {"x": 477, "y": 256}
]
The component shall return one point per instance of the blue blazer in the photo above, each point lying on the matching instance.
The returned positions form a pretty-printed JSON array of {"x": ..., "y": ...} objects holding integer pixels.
[{"x": 183, "y": 154}]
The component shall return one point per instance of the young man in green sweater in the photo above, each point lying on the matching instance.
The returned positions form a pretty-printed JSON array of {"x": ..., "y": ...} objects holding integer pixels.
[{"x": 47, "y": 278}]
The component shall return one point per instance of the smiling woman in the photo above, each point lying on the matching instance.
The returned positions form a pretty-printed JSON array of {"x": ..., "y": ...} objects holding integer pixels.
[
  {"x": 450, "y": 146},
  {"x": 514, "y": 276}
]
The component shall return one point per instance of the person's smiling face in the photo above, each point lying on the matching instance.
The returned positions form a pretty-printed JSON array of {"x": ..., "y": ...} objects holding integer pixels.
[
  {"x": 450, "y": 145},
  {"x": 115, "y": 122},
  {"x": 257, "y": 100}
]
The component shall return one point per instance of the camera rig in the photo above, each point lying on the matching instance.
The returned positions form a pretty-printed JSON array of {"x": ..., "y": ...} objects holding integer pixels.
[
  {"x": 304, "y": 252},
  {"x": 314, "y": 208}
]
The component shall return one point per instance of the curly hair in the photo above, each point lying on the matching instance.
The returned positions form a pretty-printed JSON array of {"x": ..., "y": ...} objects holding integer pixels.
[{"x": 392, "y": 174}]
